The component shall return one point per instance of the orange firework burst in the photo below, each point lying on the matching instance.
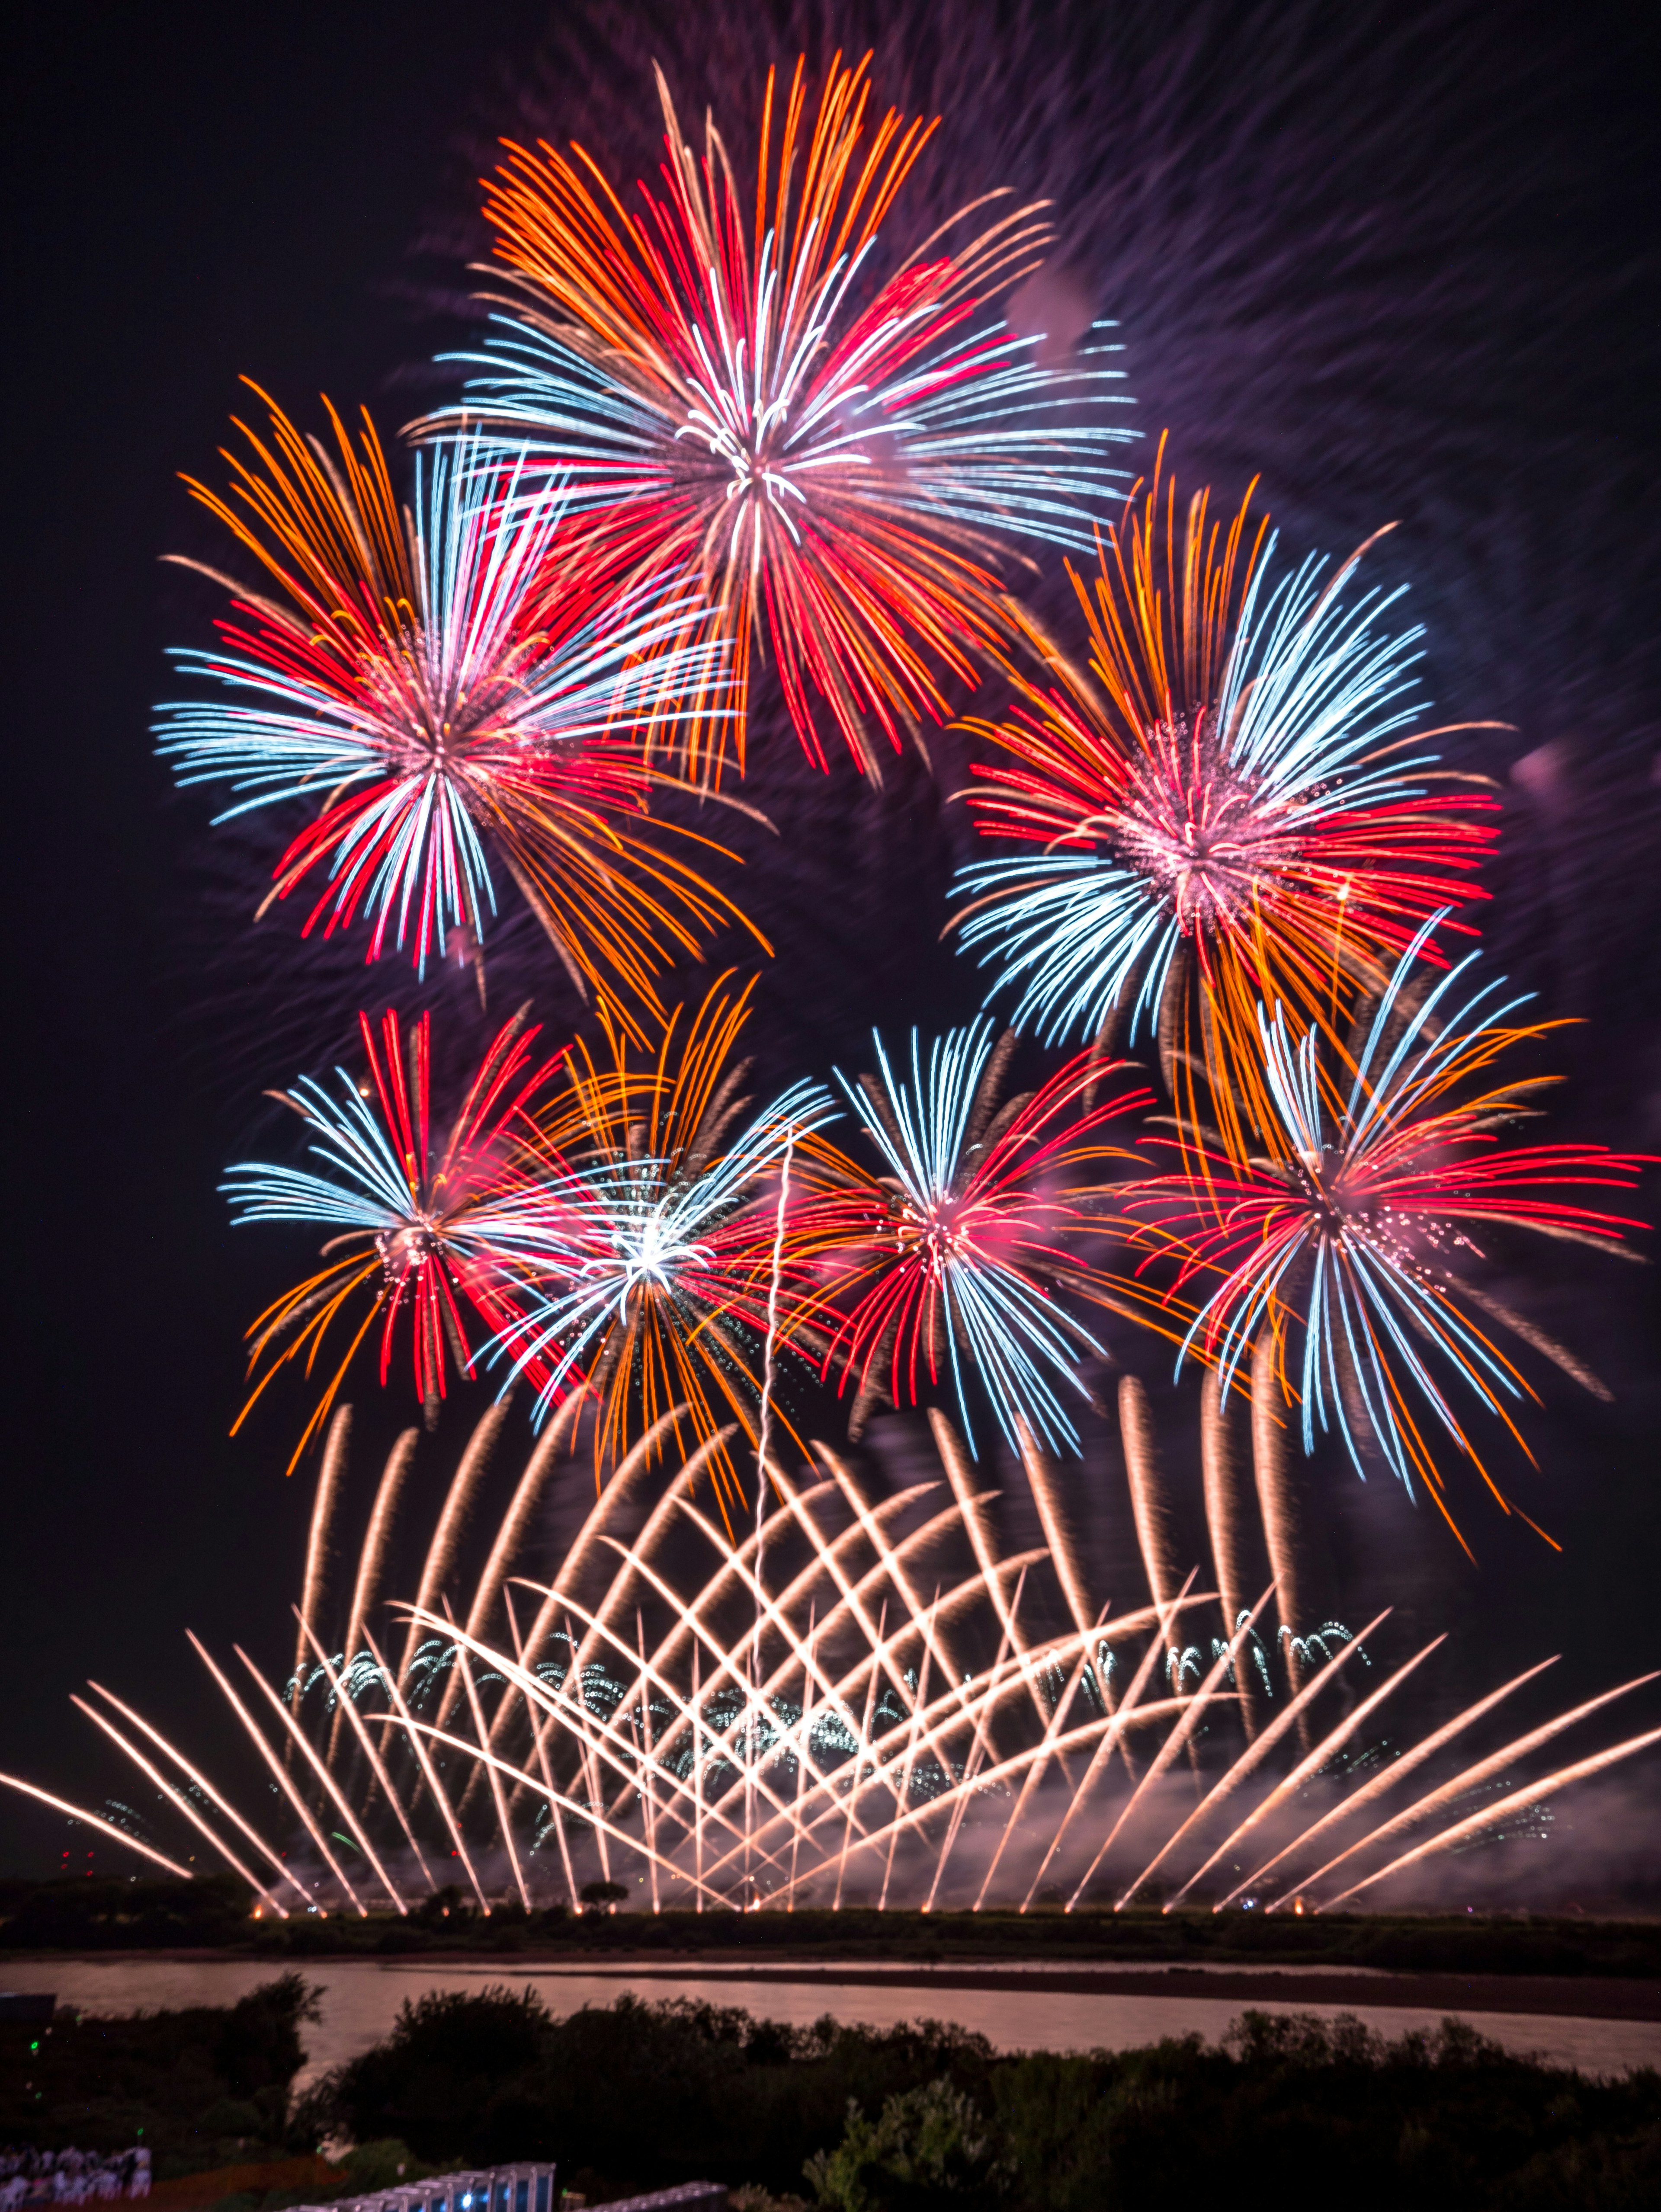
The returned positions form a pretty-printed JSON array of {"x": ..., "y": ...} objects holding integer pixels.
[
  {"x": 833, "y": 459},
  {"x": 1229, "y": 813},
  {"x": 443, "y": 685}
]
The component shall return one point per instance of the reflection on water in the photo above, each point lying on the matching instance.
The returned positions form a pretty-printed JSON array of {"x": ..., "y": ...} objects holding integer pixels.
[{"x": 361, "y": 1998}]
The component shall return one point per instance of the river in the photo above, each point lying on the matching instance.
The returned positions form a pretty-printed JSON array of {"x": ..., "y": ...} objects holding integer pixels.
[{"x": 361, "y": 1998}]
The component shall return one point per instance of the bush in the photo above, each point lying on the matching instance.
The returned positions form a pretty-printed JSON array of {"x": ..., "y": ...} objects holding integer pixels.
[
  {"x": 201, "y": 2086},
  {"x": 637, "y": 2096},
  {"x": 930, "y": 2146}
]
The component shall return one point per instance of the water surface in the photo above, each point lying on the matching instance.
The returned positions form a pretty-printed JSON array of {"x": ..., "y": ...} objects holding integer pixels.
[{"x": 361, "y": 1998}]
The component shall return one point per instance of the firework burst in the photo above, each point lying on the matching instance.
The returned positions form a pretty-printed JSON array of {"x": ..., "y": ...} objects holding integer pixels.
[
  {"x": 449, "y": 682},
  {"x": 948, "y": 1264},
  {"x": 1344, "y": 1250},
  {"x": 429, "y": 1230},
  {"x": 657, "y": 1253},
  {"x": 1233, "y": 817},
  {"x": 740, "y": 406}
]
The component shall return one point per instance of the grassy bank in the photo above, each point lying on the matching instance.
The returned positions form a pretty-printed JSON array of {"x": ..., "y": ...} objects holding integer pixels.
[{"x": 214, "y": 1916}]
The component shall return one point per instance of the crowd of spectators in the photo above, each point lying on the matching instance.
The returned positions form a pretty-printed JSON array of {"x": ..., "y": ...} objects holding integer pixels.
[{"x": 71, "y": 2177}]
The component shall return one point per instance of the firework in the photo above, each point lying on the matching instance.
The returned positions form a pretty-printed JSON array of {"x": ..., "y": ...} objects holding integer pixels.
[
  {"x": 737, "y": 402},
  {"x": 1342, "y": 1250},
  {"x": 429, "y": 1230},
  {"x": 442, "y": 684},
  {"x": 857, "y": 1701},
  {"x": 1234, "y": 816},
  {"x": 653, "y": 1256},
  {"x": 946, "y": 1266}
]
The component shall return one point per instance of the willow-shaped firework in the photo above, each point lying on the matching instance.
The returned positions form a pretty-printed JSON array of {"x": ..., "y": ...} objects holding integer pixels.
[
  {"x": 1233, "y": 816},
  {"x": 741, "y": 407},
  {"x": 946, "y": 1265},
  {"x": 1344, "y": 1249},
  {"x": 451, "y": 681},
  {"x": 430, "y": 1232},
  {"x": 659, "y": 1255}
]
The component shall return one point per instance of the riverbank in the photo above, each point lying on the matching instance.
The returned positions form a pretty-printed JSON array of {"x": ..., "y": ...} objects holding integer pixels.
[{"x": 212, "y": 1920}]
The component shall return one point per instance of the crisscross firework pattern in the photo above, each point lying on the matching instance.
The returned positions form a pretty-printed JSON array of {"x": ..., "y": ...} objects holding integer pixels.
[{"x": 858, "y": 1701}]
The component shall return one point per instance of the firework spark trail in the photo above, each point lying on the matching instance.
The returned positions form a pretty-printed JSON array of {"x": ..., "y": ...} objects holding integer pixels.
[
  {"x": 539, "y": 1738},
  {"x": 278, "y": 1863},
  {"x": 99, "y": 1828},
  {"x": 555, "y": 1596},
  {"x": 344, "y": 1703},
  {"x": 372, "y": 1560},
  {"x": 328, "y": 1782},
  {"x": 1035, "y": 1773},
  {"x": 1221, "y": 1476},
  {"x": 1181, "y": 1736},
  {"x": 1317, "y": 1755},
  {"x": 1276, "y": 1505},
  {"x": 1399, "y": 1768},
  {"x": 323, "y": 1507},
  {"x": 1102, "y": 1750},
  {"x": 503, "y": 1829},
  {"x": 1147, "y": 1492},
  {"x": 279, "y": 1771},
  {"x": 1229, "y": 1783},
  {"x": 1519, "y": 1801},
  {"x": 179, "y": 1802},
  {"x": 405, "y": 1721},
  {"x": 459, "y": 1501},
  {"x": 838, "y": 458},
  {"x": 1041, "y": 1478},
  {"x": 1481, "y": 1771},
  {"x": 512, "y": 1528}
]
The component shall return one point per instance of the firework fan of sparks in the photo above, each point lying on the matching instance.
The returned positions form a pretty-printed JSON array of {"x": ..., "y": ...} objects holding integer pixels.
[
  {"x": 428, "y": 1231},
  {"x": 1232, "y": 816},
  {"x": 1338, "y": 1248},
  {"x": 449, "y": 682},
  {"x": 740, "y": 406},
  {"x": 864, "y": 1702},
  {"x": 947, "y": 1264},
  {"x": 656, "y": 1256}
]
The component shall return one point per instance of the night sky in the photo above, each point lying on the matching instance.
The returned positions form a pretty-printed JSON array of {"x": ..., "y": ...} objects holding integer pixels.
[{"x": 1403, "y": 260}]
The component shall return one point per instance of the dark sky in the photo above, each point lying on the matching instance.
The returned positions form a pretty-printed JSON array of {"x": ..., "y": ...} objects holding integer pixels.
[{"x": 1408, "y": 268}]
